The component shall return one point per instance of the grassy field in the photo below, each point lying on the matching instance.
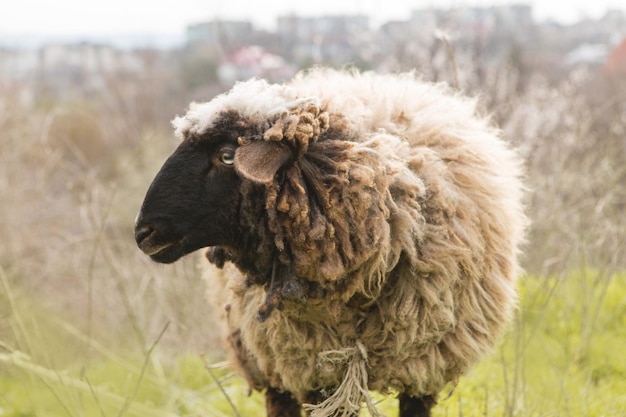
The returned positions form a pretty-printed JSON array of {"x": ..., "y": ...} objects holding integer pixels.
[
  {"x": 563, "y": 357},
  {"x": 90, "y": 327}
]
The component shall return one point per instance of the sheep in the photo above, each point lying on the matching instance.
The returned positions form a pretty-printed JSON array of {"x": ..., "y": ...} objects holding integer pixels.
[{"x": 364, "y": 232}]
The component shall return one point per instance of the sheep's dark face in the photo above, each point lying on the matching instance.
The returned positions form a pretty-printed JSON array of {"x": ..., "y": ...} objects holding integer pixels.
[
  {"x": 213, "y": 190},
  {"x": 192, "y": 202}
]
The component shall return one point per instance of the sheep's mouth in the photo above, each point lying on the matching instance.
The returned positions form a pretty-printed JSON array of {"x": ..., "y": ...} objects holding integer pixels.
[
  {"x": 163, "y": 252},
  {"x": 154, "y": 251}
]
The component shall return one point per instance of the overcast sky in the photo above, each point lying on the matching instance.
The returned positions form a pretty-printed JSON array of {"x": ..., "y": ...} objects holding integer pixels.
[{"x": 107, "y": 17}]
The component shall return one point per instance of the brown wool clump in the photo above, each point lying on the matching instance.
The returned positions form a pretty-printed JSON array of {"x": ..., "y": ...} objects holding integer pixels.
[{"x": 383, "y": 228}]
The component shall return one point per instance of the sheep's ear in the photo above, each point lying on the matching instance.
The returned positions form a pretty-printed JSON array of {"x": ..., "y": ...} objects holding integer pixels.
[{"x": 259, "y": 160}]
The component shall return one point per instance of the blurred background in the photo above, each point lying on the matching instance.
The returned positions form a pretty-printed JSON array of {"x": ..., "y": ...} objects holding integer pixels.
[{"x": 89, "y": 326}]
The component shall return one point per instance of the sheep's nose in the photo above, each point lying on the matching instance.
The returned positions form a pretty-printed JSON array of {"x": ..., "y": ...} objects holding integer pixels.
[{"x": 141, "y": 233}]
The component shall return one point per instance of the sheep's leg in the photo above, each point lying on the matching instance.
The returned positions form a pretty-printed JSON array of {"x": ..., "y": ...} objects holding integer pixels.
[
  {"x": 416, "y": 407},
  {"x": 281, "y": 404},
  {"x": 313, "y": 397}
]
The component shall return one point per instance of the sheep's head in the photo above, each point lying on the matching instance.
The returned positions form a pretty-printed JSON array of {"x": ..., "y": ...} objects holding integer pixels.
[
  {"x": 196, "y": 197},
  {"x": 192, "y": 202},
  {"x": 286, "y": 188}
]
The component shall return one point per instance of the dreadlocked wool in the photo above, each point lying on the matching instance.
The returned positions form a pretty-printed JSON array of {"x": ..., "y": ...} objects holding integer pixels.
[{"x": 385, "y": 246}]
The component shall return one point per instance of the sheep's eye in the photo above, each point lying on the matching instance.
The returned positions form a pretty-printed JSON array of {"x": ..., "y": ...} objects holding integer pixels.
[{"x": 227, "y": 157}]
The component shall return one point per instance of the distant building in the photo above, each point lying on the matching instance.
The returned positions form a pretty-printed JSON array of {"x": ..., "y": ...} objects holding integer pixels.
[
  {"x": 474, "y": 19},
  {"x": 423, "y": 24},
  {"x": 309, "y": 28},
  {"x": 587, "y": 54},
  {"x": 61, "y": 70},
  {"x": 18, "y": 64},
  {"x": 615, "y": 18},
  {"x": 253, "y": 62},
  {"x": 616, "y": 62},
  {"x": 336, "y": 38},
  {"x": 402, "y": 30},
  {"x": 513, "y": 15},
  {"x": 227, "y": 34}
]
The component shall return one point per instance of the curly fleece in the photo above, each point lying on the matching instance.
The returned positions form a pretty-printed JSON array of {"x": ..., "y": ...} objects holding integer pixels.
[{"x": 399, "y": 213}]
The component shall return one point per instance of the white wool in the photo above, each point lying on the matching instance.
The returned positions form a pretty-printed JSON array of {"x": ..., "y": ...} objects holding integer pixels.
[{"x": 249, "y": 99}]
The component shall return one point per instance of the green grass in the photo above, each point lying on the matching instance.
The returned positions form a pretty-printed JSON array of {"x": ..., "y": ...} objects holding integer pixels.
[{"x": 563, "y": 357}]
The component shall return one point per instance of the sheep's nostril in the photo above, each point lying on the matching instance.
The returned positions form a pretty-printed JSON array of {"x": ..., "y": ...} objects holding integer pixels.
[{"x": 141, "y": 233}]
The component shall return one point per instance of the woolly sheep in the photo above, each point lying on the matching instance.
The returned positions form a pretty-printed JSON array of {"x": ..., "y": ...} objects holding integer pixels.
[{"x": 364, "y": 229}]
